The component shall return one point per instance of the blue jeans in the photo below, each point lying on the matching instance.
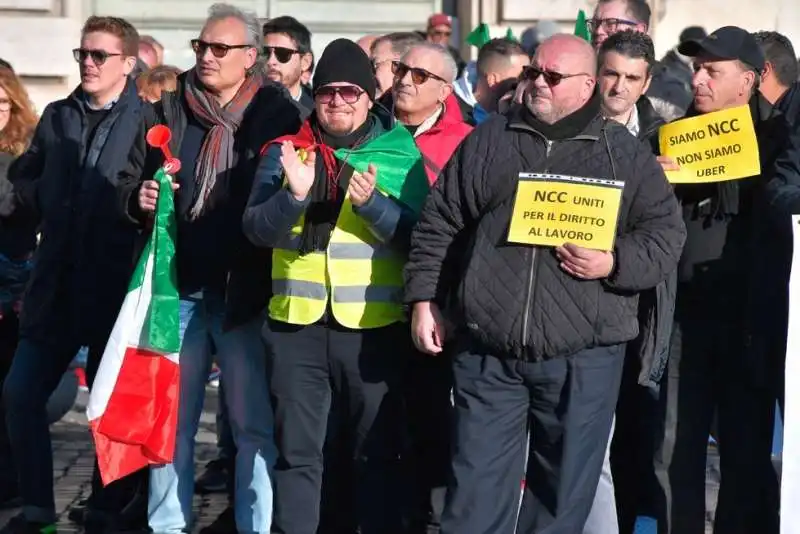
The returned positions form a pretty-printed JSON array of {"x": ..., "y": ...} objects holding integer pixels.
[
  {"x": 225, "y": 444},
  {"x": 241, "y": 359}
]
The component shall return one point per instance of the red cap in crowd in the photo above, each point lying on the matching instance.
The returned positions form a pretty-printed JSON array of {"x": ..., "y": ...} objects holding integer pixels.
[{"x": 439, "y": 19}]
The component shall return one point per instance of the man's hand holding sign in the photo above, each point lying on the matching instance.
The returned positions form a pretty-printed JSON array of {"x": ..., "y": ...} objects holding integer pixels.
[
  {"x": 584, "y": 262},
  {"x": 713, "y": 147},
  {"x": 576, "y": 215}
]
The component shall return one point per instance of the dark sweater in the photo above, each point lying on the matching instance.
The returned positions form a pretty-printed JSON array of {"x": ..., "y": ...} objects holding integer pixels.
[{"x": 203, "y": 245}]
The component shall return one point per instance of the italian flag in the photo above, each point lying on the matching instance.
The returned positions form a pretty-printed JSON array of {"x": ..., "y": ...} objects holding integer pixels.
[{"x": 133, "y": 406}]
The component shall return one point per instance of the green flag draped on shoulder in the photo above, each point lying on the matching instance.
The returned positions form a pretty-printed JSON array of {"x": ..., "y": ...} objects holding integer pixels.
[{"x": 401, "y": 172}]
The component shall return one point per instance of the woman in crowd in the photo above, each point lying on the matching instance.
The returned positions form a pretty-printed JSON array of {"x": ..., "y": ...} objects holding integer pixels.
[
  {"x": 17, "y": 242},
  {"x": 150, "y": 84}
]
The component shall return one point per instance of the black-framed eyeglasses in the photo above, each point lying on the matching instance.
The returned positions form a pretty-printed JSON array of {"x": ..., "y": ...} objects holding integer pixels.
[
  {"x": 98, "y": 56},
  {"x": 282, "y": 54},
  {"x": 609, "y": 25},
  {"x": 418, "y": 75},
  {"x": 219, "y": 50},
  {"x": 349, "y": 93},
  {"x": 551, "y": 78}
]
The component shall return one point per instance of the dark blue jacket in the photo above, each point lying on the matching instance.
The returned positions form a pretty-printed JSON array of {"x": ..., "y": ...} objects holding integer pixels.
[
  {"x": 63, "y": 182},
  {"x": 789, "y": 105}
]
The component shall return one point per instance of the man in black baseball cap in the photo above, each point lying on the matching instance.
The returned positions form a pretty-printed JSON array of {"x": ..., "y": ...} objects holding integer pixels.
[
  {"x": 729, "y": 299},
  {"x": 727, "y": 63},
  {"x": 728, "y": 42}
]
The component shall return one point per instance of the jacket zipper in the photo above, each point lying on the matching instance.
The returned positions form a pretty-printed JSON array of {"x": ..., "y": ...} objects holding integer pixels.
[{"x": 529, "y": 293}]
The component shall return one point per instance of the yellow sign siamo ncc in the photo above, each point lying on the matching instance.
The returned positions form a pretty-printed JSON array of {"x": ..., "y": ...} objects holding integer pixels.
[
  {"x": 551, "y": 210},
  {"x": 714, "y": 147}
]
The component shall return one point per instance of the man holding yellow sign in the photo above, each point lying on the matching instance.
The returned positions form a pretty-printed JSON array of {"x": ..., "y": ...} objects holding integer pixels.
[
  {"x": 713, "y": 147},
  {"x": 721, "y": 158},
  {"x": 566, "y": 217}
]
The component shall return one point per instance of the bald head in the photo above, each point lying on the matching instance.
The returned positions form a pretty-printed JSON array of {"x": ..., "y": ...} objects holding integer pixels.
[
  {"x": 573, "y": 52},
  {"x": 366, "y": 42},
  {"x": 148, "y": 54},
  {"x": 568, "y": 64}
]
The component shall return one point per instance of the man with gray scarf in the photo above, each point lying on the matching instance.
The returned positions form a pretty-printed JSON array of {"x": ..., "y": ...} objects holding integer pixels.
[{"x": 221, "y": 114}]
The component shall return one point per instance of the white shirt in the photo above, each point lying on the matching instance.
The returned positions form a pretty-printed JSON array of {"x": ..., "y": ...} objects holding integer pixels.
[{"x": 633, "y": 122}]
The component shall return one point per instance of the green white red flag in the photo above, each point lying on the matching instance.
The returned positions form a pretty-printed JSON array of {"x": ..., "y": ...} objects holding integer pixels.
[{"x": 133, "y": 406}]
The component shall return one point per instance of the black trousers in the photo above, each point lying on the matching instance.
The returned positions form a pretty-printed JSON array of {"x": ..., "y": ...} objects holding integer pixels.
[
  {"x": 711, "y": 371},
  {"x": 123, "y": 503},
  {"x": 9, "y": 335},
  {"x": 556, "y": 414},
  {"x": 633, "y": 446},
  {"x": 361, "y": 374},
  {"x": 430, "y": 416}
]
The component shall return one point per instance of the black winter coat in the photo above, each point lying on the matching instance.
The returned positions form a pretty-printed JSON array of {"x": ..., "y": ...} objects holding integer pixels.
[
  {"x": 515, "y": 300},
  {"x": 656, "y": 305},
  {"x": 672, "y": 82},
  {"x": 271, "y": 114},
  {"x": 65, "y": 185}
]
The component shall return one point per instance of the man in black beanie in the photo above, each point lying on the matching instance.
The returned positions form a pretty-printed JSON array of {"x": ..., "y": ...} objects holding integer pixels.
[{"x": 337, "y": 330}]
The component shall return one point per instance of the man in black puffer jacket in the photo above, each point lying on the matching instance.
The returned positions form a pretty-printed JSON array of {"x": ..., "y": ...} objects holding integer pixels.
[{"x": 540, "y": 331}]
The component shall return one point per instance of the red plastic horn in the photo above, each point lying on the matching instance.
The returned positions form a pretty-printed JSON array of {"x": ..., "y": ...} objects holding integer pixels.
[{"x": 158, "y": 137}]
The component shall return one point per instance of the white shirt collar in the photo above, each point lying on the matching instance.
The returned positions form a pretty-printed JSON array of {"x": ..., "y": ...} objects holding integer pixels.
[
  {"x": 633, "y": 122},
  {"x": 428, "y": 123}
]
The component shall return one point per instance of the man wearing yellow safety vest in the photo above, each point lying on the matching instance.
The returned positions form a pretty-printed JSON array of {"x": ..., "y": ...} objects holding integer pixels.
[{"x": 336, "y": 326}]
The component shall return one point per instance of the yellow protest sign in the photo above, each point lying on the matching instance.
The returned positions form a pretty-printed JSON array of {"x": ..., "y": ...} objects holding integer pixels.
[
  {"x": 551, "y": 210},
  {"x": 714, "y": 147}
]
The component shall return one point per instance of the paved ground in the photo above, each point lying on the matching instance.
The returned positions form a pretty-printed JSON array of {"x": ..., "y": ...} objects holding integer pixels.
[
  {"x": 72, "y": 451},
  {"x": 73, "y": 460}
]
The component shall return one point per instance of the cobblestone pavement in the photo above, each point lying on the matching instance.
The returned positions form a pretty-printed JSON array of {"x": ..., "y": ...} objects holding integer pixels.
[{"x": 73, "y": 461}]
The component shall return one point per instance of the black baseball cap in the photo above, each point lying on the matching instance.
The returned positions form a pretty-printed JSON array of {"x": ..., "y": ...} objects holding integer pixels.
[{"x": 728, "y": 42}]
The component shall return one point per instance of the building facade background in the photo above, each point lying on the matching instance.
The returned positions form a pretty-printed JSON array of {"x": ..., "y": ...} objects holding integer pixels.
[{"x": 37, "y": 36}]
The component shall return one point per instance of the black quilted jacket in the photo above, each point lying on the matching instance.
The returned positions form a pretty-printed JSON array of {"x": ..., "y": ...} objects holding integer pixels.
[{"x": 514, "y": 300}]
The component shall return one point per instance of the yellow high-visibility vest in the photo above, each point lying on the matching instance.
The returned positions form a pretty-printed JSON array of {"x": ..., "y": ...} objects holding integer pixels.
[{"x": 362, "y": 277}]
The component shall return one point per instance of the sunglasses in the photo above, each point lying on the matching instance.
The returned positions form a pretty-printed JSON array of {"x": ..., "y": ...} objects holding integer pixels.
[
  {"x": 418, "y": 76},
  {"x": 282, "y": 54},
  {"x": 98, "y": 56},
  {"x": 219, "y": 50},
  {"x": 349, "y": 93},
  {"x": 550, "y": 78}
]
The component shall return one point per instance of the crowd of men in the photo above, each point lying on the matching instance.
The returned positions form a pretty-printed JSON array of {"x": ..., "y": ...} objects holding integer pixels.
[{"x": 386, "y": 369}]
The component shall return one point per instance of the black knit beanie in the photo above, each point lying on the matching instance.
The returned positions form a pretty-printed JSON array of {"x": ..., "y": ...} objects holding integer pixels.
[{"x": 345, "y": 61}]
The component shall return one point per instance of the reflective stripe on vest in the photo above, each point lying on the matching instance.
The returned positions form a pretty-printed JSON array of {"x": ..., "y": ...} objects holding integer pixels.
[
  {"x": 300, "y": 288},
  {"x": 301, "y": 284}
]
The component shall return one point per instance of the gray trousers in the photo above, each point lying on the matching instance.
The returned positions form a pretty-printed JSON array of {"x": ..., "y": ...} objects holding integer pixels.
[{"x": 603, "y": 517}]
